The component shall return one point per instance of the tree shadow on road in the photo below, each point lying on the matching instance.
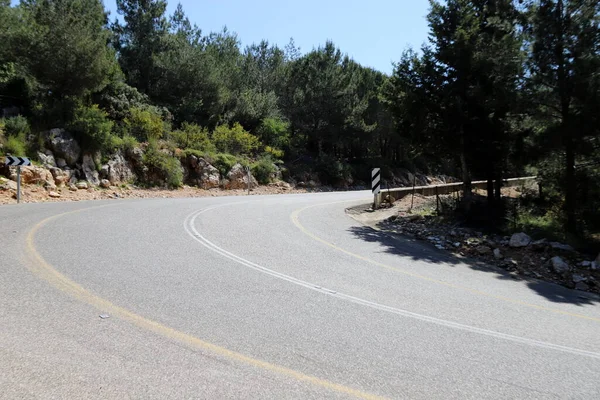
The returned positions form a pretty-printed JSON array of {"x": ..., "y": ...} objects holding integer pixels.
[{"x": 405, "y": 246}]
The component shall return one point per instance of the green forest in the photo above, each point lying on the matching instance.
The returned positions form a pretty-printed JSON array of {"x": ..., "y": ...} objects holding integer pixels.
[{"x": 499, "y": 89}]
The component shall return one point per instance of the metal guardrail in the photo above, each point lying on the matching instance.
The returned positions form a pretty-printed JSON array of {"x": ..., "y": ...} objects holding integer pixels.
[{"x": 448, "y": 188}]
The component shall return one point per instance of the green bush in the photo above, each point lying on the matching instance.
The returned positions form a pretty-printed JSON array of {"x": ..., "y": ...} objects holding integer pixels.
[
  {"x": 192, "y": 136},
  {"x": 17, "y": 126},
  {"x": 91, "y": 127},
  {"x": 222, "y": 162},
  {"x": 162, "y": 166},
  {"x": 264, "y": 169},
  {"x": 15, "y": 145},
  {"x": 275, "y": 133},
  {"x": 235, "y": 140},
  {"x": 144, "y": 124},
  {"x": 128, "y": 143}
]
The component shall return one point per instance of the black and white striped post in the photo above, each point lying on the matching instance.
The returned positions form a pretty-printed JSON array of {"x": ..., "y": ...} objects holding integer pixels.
[
  {"x": 18, "y": 162},
  {"x": 376, "y": 187}
]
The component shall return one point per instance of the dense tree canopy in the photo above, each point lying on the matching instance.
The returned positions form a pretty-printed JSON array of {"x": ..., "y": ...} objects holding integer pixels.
[{"x": 502, "y": 87}]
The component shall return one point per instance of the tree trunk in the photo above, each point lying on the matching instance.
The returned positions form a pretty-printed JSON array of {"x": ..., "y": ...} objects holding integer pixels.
[
  {"x": 570, "y": 187},
  {"x": 466, "y": 174}
]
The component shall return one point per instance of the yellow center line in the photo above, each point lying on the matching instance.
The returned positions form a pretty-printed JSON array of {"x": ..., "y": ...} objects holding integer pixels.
[
  {"x": 296, "y": 221},
  {"x": 45, "y": 271}
]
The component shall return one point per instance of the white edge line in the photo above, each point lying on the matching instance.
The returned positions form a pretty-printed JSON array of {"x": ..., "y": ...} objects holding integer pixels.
[{"x": 191, "y": 230}]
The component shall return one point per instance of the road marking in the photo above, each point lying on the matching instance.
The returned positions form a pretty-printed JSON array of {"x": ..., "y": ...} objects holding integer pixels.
[
  {"x": 44, "y": 270},
  {"x": 189, "y": 226},
  {"x": 296, "y": 221}
]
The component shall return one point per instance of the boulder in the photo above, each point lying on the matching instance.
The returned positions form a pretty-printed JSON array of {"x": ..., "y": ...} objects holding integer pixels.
[
  {"x": 498, "y": 254},
  {"x": 7, "y": 184},
  {"x": 206, "y": 175},
  {"x": 519, "y": 240},
  {"x": 47, "y": 159},
  {"x": 238, "y": 178},
  {"x": 483, "y": 250},
  {"x": 578, "y": 278},
  {"x": 582, "y": 286},
  {"x": 136, "y": 155},
  {"x": 118, "y": 169},
  {"x": 90, "y": 172},
  {"x": 34, "y": 175},
  {"x": 61, "y": 177},
  {"x": 210, "y": 178},
  {"x": 54, "y": 194},
  {"x": 63, "y": 145},
  {"x": 73, "y": 187},
  {"x": 105, "y": 183},
  {"x": 559, "y": 265},
  {"x": 81, "y": 185},
  {"x": 61, "y": 163}
]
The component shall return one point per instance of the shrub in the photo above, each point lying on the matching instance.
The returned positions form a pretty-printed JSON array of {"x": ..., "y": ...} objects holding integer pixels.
[
  {"x": 264, "y": 169},
  {"x": 128, "y": 143},
  {"x": 91, "y": 127},
  {"x": 163, "y": 166},
  {"x": 15, "y": 145},
  {"x": 144, "y": 124},
  {"x": 223, "y": 162},
  {"x": 274, "y": 152},
  {"x": 235, "y": 140},
  {"x": 192, "y": 136},
  {"x": 275, "y": 133},
  {"x": 17, "y": 126}
]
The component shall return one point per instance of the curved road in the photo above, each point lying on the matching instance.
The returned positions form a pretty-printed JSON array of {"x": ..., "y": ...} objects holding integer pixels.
[{"x": 270, "y": 297}]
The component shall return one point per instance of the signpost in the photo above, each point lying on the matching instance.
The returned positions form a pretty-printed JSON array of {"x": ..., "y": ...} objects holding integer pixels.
[
  {"x": 18, "y": 162},
  {"x": 376, "y": 186},
  {"x": 249, "y": 180}
]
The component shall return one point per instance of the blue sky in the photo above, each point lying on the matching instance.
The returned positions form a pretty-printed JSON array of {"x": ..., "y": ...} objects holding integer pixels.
[{"x": 374, "y": 32}]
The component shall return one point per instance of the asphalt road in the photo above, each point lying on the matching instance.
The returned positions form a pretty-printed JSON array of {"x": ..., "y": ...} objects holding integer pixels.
[{"x": 270, "y": 297}]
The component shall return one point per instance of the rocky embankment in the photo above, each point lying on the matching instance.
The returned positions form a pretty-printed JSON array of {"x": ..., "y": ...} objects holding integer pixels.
[
  {"x": 518, "y": 254},
  {"x": 65, "y": 171}
]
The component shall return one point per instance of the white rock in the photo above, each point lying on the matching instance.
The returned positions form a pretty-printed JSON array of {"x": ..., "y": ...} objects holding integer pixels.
[
  {"x": 81, "y": 185},
  {"x": 498, "y": 254},
  {"x": 586, "y": 264},
  {"x": 47, "y": 160},
  {"x": 578, "y": 278},
  {"x": 519, "y": 240},
  {"x": 457, "y": 244},
  {"x": 559, "y": 265},
  {"x": 54, "y": 195},
  {"x": 89, "y": 169}
]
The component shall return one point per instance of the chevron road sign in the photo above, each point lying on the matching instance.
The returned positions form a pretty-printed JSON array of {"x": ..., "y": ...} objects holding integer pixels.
[
  {"x": 376, "y": 181},
  {"x": 17, "y": 161}
]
